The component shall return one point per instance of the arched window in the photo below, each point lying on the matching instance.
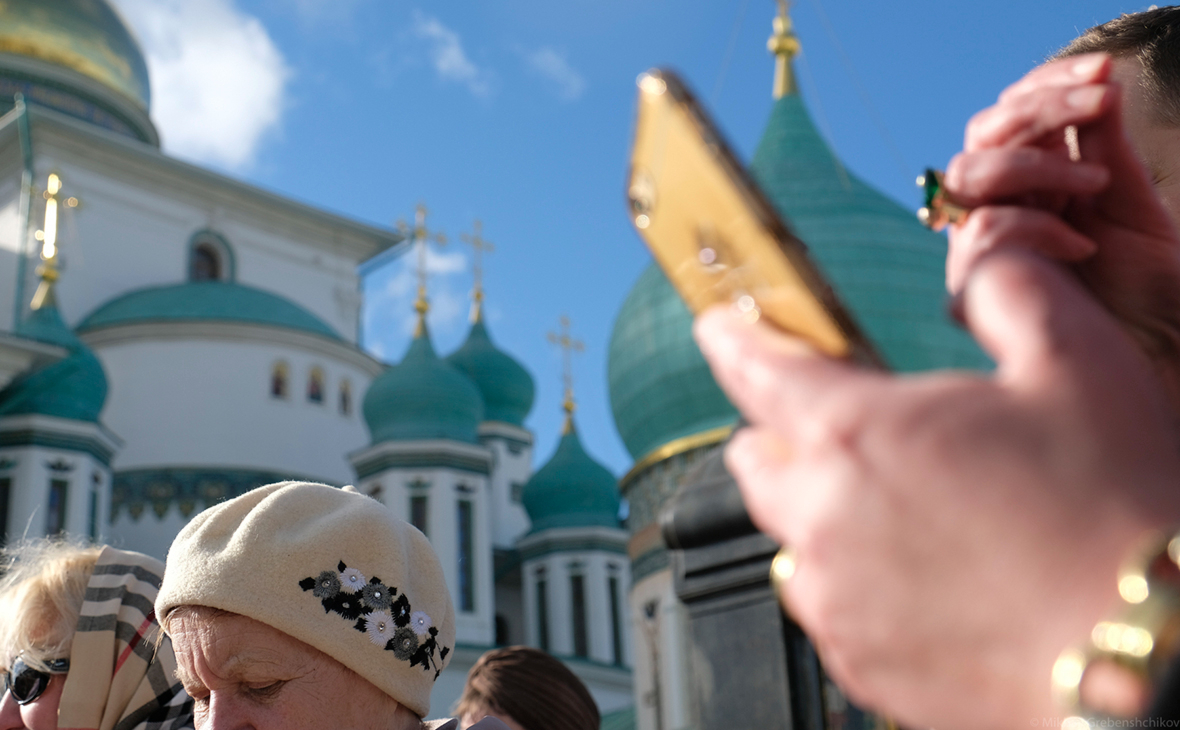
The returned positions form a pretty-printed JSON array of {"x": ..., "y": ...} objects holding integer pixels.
[
  {"x": 209, "y": 257},
  {"x": 315, "y": 386},
  {"x": 345, "y": 397},
  {"x": 278, "y": 380}
]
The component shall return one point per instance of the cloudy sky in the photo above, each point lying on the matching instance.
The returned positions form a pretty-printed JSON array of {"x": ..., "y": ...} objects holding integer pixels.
[{"x": 518, "y": 112}]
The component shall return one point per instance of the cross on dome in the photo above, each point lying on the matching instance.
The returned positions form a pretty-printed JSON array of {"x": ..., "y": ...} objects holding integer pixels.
[
  {"x": 421, "y": 237},
  {"x": 479, "y": 246},
  {"x": 568, "y": 346},
  {"x": 48, "y": 270},
  {"x": 784, "y": 44}
]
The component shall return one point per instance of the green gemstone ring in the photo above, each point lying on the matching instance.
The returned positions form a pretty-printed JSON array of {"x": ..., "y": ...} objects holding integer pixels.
[{"x": 941, "y": 209}]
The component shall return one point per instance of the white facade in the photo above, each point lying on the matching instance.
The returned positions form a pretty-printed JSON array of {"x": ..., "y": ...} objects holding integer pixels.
[{"x": 512, "y": 454}]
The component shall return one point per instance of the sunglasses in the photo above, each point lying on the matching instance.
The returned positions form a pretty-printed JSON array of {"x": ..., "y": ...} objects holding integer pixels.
[{"x": 27, "y": 684}]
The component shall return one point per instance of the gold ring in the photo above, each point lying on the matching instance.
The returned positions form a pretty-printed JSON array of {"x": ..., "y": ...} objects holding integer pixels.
[
  {"x": 781, "y": 570},
  {"x": 941, "y": 208}
]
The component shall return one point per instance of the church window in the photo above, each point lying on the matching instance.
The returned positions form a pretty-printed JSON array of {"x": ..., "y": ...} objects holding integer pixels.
[
  {"x": 278, "y": 380},
  {"x": 616, "y": 623},
  {"x": 542, "y": 614},
  {"x": 95, "y": 485},
  {"x": 315, "y": 386},
  {"x": 517, "y": 491},
  {"x": 5, "y": 488},
  {"x": 420, "y": 512},
  {"x": 210, "y": 257},
  {"x": 465, "y": 524},
  {"x": 375, "y": 491},
  {"x": 502, "y": 636},
  {"x": 55, "y": 518},
  {"x": 345, "y": 397},
  {"x": 578, "y": 607}
]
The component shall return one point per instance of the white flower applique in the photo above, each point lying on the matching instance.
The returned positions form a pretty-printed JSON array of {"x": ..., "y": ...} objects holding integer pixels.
[
  {"x": 379, "y": 626},
  {"x": 420, "y": 623},
  {"x": 352, "y": 580}
]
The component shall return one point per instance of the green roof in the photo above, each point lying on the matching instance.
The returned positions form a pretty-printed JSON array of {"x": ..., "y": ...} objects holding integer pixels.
[
  {"x": 571, "y": 489},
  {"x": 661, "y": 388},
  {"x": 506, "y": 387},
  {"x": 86, "y": 36},
  {"x": 74, "y": 387},
  {"x": 423, "y": 398},
  {"x": 198, "y": 301},
  {"x": 619, "y": 720},
  {"x": 885, "y": 266}
]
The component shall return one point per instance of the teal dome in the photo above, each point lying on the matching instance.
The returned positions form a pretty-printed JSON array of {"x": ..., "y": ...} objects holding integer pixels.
[
  {"x": 886, "y": 267},
  {"x": 203, "y": 301},
  {"x": 74, "y": 387},
  {"x": 506, "y": 387},
  {"x": 571, "y": 490},
  {"x": 423, "y": 398},
  {"x": 661, "y": 388}
]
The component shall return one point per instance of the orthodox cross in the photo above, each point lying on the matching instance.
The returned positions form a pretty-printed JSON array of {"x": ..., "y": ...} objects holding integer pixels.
[
  {"x": 479, "y": 246},
  {"x": 568, "y": 346},
  {"x": 421, "y": 237},
  {"x": 48, "y": 270},
  {"x": 784, "y": 44}
]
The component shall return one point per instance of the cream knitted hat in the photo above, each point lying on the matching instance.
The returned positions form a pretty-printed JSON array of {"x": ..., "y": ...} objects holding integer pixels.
[{"x": 330, "y": 567}]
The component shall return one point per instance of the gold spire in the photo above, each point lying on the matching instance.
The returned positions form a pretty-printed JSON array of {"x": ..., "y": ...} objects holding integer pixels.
[
  {"x": 568, "y": 346},
  {"x": 784, "y": 44},
  {"x": 48, "y": 270},
  {"x": 421, "y": 237},
  {"x": 479, "y": 246}
]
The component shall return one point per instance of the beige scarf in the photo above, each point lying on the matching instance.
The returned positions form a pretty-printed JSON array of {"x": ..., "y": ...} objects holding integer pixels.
[{"x": 118, "y": 679}]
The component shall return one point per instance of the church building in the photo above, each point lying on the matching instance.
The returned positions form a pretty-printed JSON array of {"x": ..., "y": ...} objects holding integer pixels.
[{"x": 171, "y": 337}]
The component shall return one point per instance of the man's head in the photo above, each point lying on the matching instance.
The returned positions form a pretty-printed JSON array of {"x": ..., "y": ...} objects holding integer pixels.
[{"x": 299, "y": 590}]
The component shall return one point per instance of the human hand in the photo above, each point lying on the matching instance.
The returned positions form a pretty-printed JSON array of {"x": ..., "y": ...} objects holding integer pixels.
[
  {"x": 954, "y": 532},
  {"x": 1101, "y": 213}
]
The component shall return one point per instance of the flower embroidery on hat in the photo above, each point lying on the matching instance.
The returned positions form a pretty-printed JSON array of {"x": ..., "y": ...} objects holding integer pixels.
[{"x": 377, "y": 611}]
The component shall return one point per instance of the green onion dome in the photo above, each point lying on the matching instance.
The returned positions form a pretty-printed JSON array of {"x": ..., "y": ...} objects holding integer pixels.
[
  {"x": 571, "y": 489},
  {"x": 204, "y": 301},
  {"x": 886, "y": 267},
  {"x": 78, "y": 57},
  {"x": 661, "y": 388},
  {"x": 423, "y": 398},
  {"x": 74, "y": 387},
  {"x": 506, "y": 387}
]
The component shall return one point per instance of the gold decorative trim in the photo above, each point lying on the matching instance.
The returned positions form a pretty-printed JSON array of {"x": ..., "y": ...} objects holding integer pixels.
[{"x": 674, "y": 447}]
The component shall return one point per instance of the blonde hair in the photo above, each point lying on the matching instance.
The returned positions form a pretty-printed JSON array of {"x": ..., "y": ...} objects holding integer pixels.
[{"x": 41, "y": 593}]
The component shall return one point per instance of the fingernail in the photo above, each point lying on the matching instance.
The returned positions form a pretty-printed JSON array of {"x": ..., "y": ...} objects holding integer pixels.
[
  {"x": 1087, "y": 98},
  {"x": 1089, "y": 66},
  {"x": 711, "y": 332}
]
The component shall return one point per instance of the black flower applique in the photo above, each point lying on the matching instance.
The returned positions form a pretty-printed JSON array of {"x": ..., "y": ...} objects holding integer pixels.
[
  {"x": 376, "y": 610},
  {"x": 404, "y": 644}
]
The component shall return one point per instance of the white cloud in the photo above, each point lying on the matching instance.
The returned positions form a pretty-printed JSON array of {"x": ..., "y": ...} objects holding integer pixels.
[
  {"x": 447, "y": 56},
  {"x": 218, "y": 80},
  {"x": 553, "y": 67},
  {"x": 390, "y": 313}
]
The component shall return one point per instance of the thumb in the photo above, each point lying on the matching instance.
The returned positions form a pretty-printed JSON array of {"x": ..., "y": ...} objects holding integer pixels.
[{"x": 1039, "y": 323}]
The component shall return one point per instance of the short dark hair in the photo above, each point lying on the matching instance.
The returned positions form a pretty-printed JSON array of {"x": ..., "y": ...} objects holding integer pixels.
[
  {"x": 532, "y": 688},
  {"x": 1153, "y": 38}
]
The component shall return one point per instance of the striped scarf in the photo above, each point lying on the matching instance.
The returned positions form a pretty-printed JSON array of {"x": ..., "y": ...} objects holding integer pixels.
[{"x": 118, "y": 680}]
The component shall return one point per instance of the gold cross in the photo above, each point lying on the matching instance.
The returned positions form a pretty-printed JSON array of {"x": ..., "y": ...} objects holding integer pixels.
[
  {"x": 784, "y": 44},
  {"x": 421, "y": 237},
  {"x": 479, "y": 246},
  {"x": 48, "y": 270},
  {"x": 568, "y": 346}
]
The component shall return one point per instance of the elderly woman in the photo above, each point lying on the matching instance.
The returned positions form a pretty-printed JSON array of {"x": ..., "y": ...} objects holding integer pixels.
[
  {"x": 78, "y": 642},
  {"x": 306, "y": 606},
  {"x": 528, "y": 690}
]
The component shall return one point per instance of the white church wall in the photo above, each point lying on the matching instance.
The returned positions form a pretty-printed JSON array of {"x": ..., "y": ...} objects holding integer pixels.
[
  {"x": 140, "y": 210},
  {"x": 10, "y": 241},
  {"x": 207, "y": 402},
  {"x": 666, "y": 679},
  {"x": 148, "y": 532},
  {"x": 513, "y": 465},
  {"x": 33, "y": 470}
]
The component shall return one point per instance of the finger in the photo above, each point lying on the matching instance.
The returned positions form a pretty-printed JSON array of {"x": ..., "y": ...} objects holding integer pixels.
[
  {"x": 776, "y": 380},
  {"x": 1087, "y": 68},
  {"x": 1044, "y": 329},
  {"x": 1027, "y": 118},
  {"x": 994, "y": 228},
  {"x": 760, "y": 461},
  {"x": 997, "y": 174}
]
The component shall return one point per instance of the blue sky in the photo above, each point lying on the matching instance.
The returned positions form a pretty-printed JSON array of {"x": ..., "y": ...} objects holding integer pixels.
[{"x": 518, "y": 112}]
